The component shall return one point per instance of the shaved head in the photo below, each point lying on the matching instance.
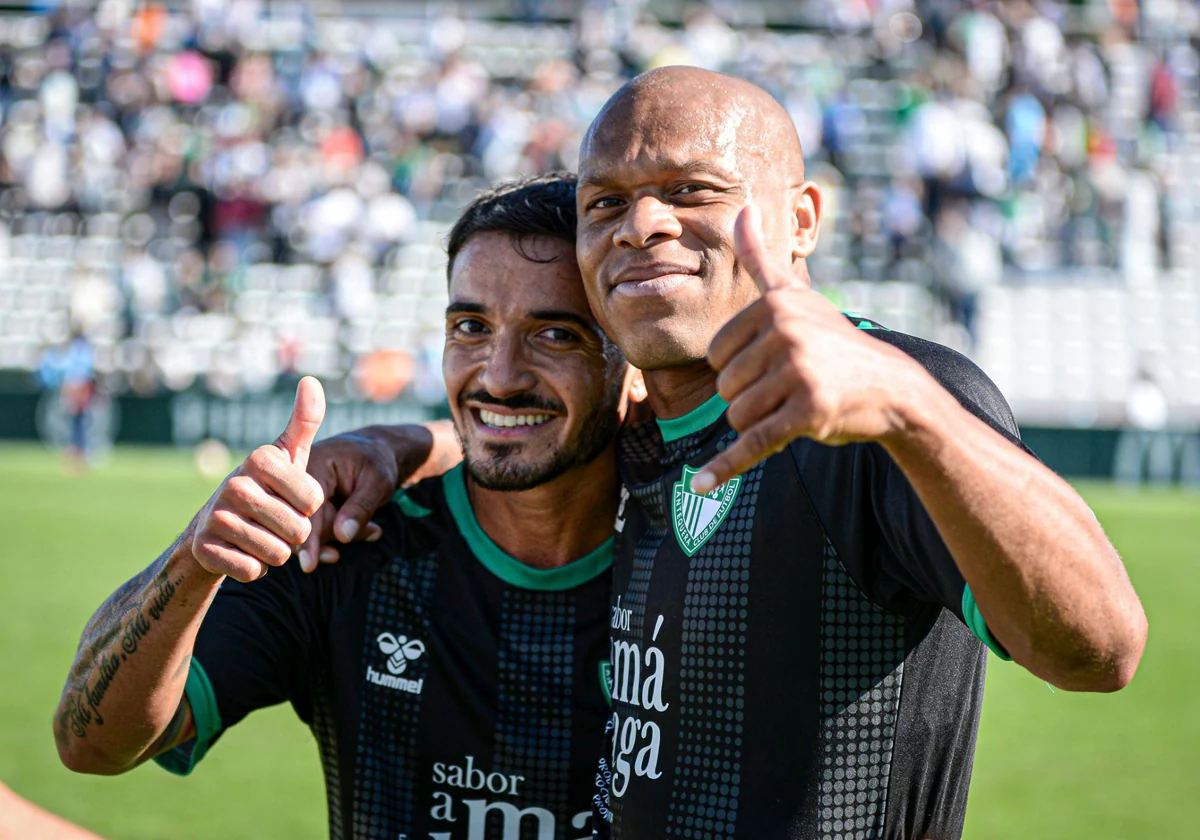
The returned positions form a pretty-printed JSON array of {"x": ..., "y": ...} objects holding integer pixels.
[
  {"x": 664, "y": 170},
  {"x": 710, "y": 110}
]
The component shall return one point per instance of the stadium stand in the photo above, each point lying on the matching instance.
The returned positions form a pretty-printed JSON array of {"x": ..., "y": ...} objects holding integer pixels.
[{"x": 222, "y": 193}]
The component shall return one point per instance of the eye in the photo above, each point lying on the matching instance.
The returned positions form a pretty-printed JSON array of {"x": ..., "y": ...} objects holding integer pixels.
[
  {"x": 606, "y": 203},
  {"x": 468, "y": 326},
  {"x": 693, "y": 189},
  {"x": 559, "y": 335}
]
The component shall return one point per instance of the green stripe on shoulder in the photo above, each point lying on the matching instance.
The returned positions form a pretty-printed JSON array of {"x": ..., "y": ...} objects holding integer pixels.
[
  {"x": 974, "y": 621},
  {"x": 864, "y": 323}
]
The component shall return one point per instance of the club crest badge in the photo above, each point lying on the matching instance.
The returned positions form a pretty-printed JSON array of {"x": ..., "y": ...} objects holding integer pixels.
[
  {"x": 697, "y": 517},
  {"x": 606, "y": 680}
]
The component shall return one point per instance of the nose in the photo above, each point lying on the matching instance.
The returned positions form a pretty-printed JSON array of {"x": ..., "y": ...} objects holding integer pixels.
[
  {"x": 648, "y": 222},
  {"x": 507, "y": 371}
]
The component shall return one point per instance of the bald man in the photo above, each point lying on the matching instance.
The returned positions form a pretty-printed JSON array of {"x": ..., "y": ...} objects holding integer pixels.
[
  {"x": 828, "y": 524},
  {"x": 833, "y": 521}
]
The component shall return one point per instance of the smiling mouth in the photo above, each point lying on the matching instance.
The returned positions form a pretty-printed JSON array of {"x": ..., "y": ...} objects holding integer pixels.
[
  {"x": 510, "y": 421},
  {"x": 655, "y": 286}
]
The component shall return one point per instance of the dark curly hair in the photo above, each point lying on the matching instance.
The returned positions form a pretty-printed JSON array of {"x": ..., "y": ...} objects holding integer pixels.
[{"x": 543, "y": 205}]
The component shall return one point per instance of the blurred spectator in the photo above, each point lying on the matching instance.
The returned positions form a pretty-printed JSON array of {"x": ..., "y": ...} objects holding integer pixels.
[
  {"x": 1145, "y": 450},
  {"x": 71, "y": 371},
  {"x": 223, "y": 191}
]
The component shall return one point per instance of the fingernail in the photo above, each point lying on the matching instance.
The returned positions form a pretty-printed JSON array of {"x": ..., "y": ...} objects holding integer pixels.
[
  {"x": 306, "y": 561},
  {"x": 349, "y": 530},
  {"x": 373, "y": 534},
  {"x": 327, "y": 554},
  {"x": 703, "y": 482}
]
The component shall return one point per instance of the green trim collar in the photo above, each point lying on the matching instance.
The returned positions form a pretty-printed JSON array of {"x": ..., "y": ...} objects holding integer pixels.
[
  {"x": 508, "y": 568},
  {"x": 408, "y": 507},
  {"x": 974, "y": 620},
  {"x": 182, "y": 760},
  {"x": 694, "y": 421}
]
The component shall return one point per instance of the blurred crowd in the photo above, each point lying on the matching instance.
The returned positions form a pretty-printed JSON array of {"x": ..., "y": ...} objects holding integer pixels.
[{"x": 224, "y": 193}]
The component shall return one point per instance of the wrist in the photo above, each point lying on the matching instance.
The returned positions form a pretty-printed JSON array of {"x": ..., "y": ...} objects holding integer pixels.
[
  {"x": 182, "y": 565},
  {"x": 410, "y": 445}
]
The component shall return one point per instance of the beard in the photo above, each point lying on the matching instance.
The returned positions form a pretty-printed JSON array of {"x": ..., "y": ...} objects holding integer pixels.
[{"x": 502, "y": 467}]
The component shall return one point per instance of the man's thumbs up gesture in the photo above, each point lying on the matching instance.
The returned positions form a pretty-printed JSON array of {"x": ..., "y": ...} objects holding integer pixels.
[
  {"x": 791, "y": 365},
  {"x": 262, "y": 508}
]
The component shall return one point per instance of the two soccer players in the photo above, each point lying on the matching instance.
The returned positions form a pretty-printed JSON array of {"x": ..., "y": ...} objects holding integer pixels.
[{"x": 828, "y": 522}]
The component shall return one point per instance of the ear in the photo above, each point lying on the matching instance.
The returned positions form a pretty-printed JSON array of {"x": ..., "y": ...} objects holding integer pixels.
[{"x": 806, "y": 216}]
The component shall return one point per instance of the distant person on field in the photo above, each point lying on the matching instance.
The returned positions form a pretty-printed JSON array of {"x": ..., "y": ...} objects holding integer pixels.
[
  {"x": 72, "y": 371},
  {"x": 1149, "y": 449}
]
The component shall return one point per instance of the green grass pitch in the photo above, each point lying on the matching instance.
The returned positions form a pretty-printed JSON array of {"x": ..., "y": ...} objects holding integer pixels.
[{"x": 1052, "y": 765}]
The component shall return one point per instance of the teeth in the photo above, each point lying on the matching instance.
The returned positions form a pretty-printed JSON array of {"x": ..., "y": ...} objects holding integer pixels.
[{"x": 509, "y": 421}]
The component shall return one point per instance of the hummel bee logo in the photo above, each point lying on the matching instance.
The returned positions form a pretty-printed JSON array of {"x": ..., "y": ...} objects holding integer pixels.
[
  {"x": 697, "y": 517},
  {"x": 399, "y": 651}
]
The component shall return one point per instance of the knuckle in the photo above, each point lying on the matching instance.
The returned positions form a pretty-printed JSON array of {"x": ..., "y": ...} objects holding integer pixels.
[
  {"x": 246, "y": 572},
  {"x": 241, "y": 486},
  {"x": 261, "y": 459},
  {"x": 311, "y": 496},
  {"x": 758, "y": 440},
  {"x": 275, "y": 555},
  {"x": 736, "y": 415},
  {"x": 203, "y": 554},
  {"x": 725, "y": 384},
  {"x": 223, "y": 521},
  {"x": 820, "y": 407},
  {"x": 796, "y": 355},
  {"x": 300, "y": 531}
]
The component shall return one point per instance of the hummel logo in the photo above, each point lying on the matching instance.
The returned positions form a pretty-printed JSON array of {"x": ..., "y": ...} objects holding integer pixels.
[{"x": 399, "y": 651}]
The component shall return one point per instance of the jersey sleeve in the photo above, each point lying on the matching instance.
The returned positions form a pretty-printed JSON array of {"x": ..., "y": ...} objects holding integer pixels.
[
  {"x": 878, "y": 524},
  {"x": 254, "y": 649},
  {"x": 918, "y": 559}
]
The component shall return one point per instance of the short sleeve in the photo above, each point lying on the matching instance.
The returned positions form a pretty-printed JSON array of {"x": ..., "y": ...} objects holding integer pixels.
[
  {"x": 254, "y": 649},
  {"x": 873, "y": 516},
  {"x": 915, "y": 557},
  {"x": 912, "y": 561}
]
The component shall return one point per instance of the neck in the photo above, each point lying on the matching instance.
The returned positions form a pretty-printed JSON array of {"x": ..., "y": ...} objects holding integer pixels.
[
  {"x": 673, "y": 392},
  {"x": 554, "y": 523}
]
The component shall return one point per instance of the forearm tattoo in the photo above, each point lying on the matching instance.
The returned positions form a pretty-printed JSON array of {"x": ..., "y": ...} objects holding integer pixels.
[{"x": 111, "y": 638}]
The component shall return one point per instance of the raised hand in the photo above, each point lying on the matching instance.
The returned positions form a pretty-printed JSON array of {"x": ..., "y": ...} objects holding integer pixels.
[
  {"x": 791, "y": 365},
  {"x": 359, "y": 470},
  {"x": 262, "y": 509}
]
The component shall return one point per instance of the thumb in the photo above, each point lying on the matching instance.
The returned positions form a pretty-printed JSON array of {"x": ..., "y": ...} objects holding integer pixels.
[
  {"x": 752, "y": 253},
  {"x": 307, "y": 413}
]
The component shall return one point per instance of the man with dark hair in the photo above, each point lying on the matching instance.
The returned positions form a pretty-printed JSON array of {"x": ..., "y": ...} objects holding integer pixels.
[
  {"x": 451, "y": 671},
  {"x": 542, "y": 205}
]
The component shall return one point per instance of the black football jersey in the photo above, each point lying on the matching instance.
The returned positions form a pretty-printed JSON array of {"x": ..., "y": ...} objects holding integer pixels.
[
  {"x": 795, "y": 654},
  {"x": 454, "y": 692}
]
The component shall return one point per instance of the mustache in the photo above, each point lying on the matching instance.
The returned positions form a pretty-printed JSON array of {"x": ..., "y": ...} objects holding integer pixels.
[{"x": 513, "y": 403}]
